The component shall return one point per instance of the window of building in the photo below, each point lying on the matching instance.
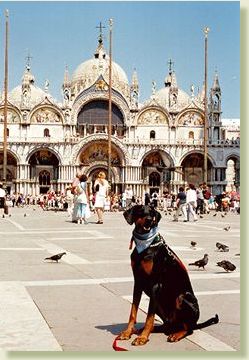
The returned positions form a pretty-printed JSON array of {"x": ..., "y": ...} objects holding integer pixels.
[
  {"x": 152, "y": 134},
  {"x": 44, "y": 178},
  {"x": 46, "y": 133},
  {"x": 191, "y": 135},
  {"x": 154, "y": 179}
]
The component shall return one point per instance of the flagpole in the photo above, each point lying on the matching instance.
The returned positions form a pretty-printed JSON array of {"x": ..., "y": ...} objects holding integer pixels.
[
  {"x": 110, "y": 103},
  {"x": 205, "y": 167},
  {"x": 5, "y": 114}
]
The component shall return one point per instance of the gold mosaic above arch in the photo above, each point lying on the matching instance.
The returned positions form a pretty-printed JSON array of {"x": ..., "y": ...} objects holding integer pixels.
[
  {"x": 191, "y": 118},
  {"x": 46, "y": 115},
  {"x": 12, "y": 116},
  {"x": 152, "y": 117}
]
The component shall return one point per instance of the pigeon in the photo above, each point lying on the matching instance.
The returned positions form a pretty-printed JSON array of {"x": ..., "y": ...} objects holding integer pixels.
[
  {"x": 215, "y": 214},
  {"x": 222, "y": 247},
  {"x": 226, "y": 265},
  {"x": 55, "y": 257},
  {"x": 193, "y": 244},
  {"x": 202, "y": 262},
  {"x": 25, "y": 215},
  {"x": 222, "y": 215},
  {"x": 227, "y": 228}
]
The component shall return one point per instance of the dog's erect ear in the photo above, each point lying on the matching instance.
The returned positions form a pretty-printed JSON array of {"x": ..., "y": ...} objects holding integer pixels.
[{"x": 128, "y": 215}]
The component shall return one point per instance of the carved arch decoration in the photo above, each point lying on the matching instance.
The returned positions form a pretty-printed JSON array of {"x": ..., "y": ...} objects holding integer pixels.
[
  {"x": 98, "y": 151},
  {"x": 157, "y": 158},
  {"x": 120, "y": 148},
  {"x": 44, "y": 153},
  {"x": 89, "y": 96},
  {"x": 12, "y": 163},
  {"x": 152, "y": 116},
  {"x": 46, "y": 115},
  {"x": 101, "y": 166},
  {"x": 190, "y": 118},
  {"x": 198, "y": 153},
  {"x": 13, "y": 117}
]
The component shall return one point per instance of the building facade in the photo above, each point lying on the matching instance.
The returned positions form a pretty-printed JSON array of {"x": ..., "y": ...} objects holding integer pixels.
[{"x": 157, "y": 144}]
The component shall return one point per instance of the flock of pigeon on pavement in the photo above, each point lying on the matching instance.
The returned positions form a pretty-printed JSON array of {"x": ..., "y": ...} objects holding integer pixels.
[{"x": 201, "y": 263}]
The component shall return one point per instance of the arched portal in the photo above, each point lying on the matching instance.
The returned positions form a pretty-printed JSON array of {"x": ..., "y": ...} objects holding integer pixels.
[
  {"x": 233, "y": 174},
  {"x": 156, "y": 171},
  {"x": 93, "y": 158},
  {"x": 11, "y": 170},
  {"x": 192, "y": 167},
  {"x": 44, "y": 170}
]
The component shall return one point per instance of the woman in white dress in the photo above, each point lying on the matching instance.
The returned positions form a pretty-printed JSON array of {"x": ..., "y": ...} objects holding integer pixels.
[
  {"x": 191, "y": 200},
  {"x": 101, "y": 190},
  {"x": 81, "y": 200}
]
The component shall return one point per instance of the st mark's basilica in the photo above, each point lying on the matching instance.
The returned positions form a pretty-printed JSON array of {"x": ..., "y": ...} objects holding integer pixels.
[{"x": 157, "y": 144}]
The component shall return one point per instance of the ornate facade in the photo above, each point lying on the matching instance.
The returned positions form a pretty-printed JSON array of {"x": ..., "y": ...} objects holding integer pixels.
[{"x": 155, "y": 144}]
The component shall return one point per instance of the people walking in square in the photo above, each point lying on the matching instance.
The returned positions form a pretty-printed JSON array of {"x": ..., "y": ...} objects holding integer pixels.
[
  {"x": 154, "y": 199},
  {"x": 200, "y": 200},
  {"x": 181, "y": 205},
  {"x": 75, "y": 183},
  {"x": 101, "y": 187},
  {"x": 2, "y": 198},
  {"x": 129, "y": 196},
  {"x": 81, "y": 199},
  {"x": 191, "y": 199}
]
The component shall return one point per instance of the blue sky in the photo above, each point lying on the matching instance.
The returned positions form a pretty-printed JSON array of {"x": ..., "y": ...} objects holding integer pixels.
[{"x": 146, "y": 34}]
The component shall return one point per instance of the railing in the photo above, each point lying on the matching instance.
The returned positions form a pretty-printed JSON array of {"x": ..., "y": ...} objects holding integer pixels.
[{"x": 179, "y": 142}]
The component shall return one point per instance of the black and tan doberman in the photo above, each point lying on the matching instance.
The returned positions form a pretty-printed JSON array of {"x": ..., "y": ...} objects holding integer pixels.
[{"x": 161, "y": 275}]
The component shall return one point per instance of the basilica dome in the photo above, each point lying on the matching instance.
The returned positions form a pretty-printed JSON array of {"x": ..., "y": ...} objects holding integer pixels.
[
  {"x": 168, "y": 98},
  {"x": 27, "y": 94},
  {"x": 88, "y": 72},
  {"x": 37, "y": 95}
]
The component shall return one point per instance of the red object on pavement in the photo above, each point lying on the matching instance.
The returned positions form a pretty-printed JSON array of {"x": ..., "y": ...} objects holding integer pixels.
[{"x": 115, "y": 345}]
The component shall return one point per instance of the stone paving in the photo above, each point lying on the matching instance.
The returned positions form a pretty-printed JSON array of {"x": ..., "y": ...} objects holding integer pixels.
[{"x": 82, "y": 302}]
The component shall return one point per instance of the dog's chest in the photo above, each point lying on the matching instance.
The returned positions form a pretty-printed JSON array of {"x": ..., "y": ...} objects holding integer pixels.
[{"x": 146, "y": 262}]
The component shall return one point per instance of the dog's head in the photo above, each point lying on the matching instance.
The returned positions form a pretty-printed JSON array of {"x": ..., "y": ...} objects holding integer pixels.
[{"x": 145, "y": 217}]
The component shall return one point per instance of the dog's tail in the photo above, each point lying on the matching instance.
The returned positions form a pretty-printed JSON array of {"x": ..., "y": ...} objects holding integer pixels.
[{"x": 211, "y": 321}]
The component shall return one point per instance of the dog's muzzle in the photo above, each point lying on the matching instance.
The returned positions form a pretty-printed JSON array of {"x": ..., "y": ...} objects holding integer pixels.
[{"x": 148, "y": 223}]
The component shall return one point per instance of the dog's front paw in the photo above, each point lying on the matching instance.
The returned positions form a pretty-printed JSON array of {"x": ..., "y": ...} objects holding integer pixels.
[
  {"x": 140, "y": 340},
  {"x": 125, "y": 335}
]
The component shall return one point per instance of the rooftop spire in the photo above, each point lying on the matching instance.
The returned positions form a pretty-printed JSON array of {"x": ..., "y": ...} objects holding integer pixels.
[
  {"x": 170, "y": 80},
  {"x": 66, "y": 81},
  {"x": 170, "y": 63},
  {"x": 100, "y": 51},
  {"x": 28, "y": 58},
  {"x": 134, "y": 80},
  {"x": 27, "y": 78},
  {"x": 100, "y": 27},
  {"x": 216, "y": 84}
]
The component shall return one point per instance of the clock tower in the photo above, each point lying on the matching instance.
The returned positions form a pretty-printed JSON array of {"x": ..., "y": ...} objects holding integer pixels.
[{"x": 214, "y": 110}]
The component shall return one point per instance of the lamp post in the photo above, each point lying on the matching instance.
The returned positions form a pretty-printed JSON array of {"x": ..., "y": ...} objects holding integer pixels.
[
  {"x": 206, "y": 31},
  {"x": 5, "y": 114},
  {"x": 110, "y": 103}
]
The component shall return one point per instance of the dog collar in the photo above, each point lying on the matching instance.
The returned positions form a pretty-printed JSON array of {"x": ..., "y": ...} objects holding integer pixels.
[{"x": 143, "y": 241}]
